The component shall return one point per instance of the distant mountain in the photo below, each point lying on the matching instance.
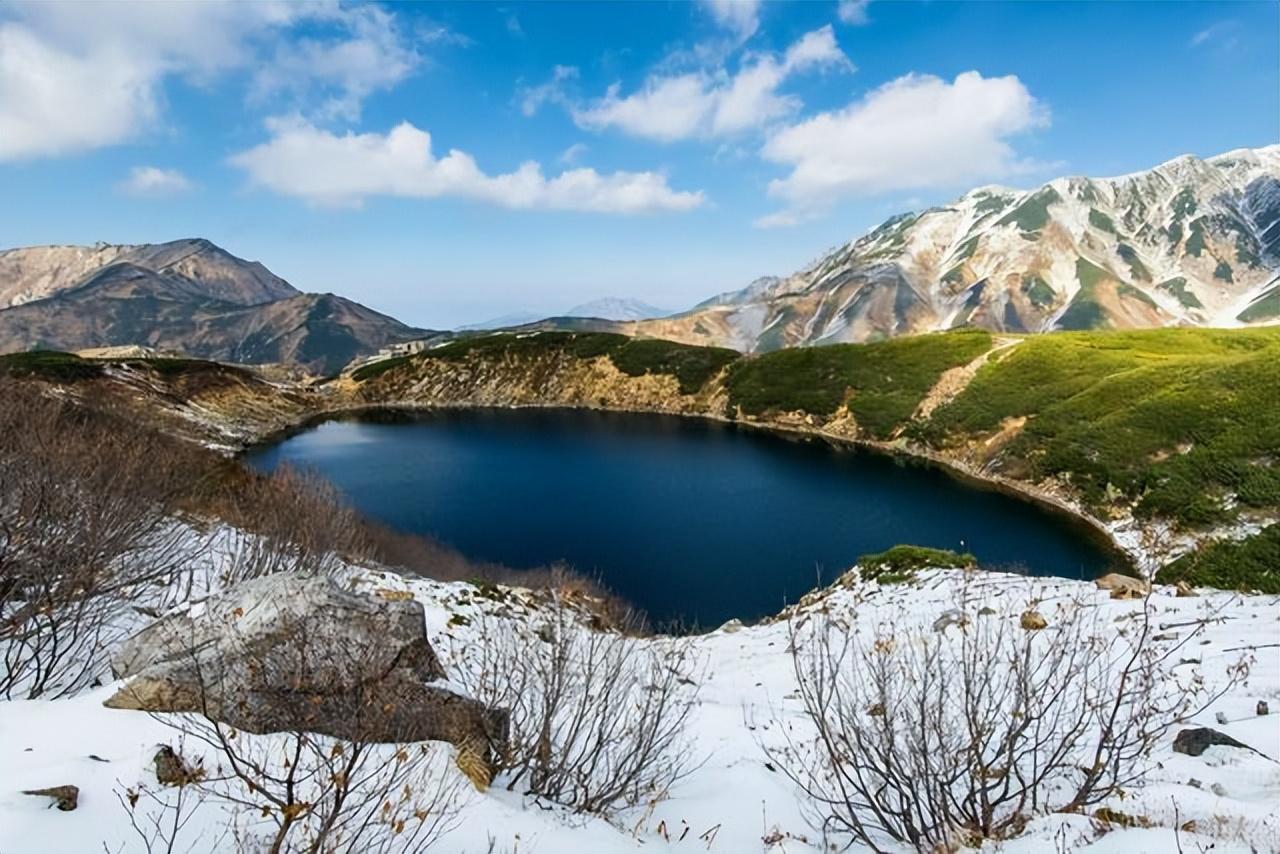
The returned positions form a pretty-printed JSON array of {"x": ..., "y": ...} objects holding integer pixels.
[
  {"x": 188, "y": 296},
  {"x": 617, "y": 308},
  {"x": 515, "y": 318},
  {"x": 1191, "y": 242},
  {"x": 609, "y": 308}
]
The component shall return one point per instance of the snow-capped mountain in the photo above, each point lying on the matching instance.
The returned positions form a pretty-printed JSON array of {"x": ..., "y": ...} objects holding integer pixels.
[{"x": 1190, "y": 242}]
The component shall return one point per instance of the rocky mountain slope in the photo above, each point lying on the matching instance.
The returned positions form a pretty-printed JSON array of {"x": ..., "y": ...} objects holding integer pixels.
[
  {"x": 1191, "y": 242},
  {"x": 188, "y": 296}
]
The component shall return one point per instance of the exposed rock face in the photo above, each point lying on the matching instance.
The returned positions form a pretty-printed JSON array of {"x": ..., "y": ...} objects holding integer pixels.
[{"x": 290, "y": 652}]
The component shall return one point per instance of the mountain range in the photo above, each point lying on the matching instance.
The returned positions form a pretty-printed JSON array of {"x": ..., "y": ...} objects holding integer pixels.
[
  {"x": 608, "y": 308},
  {"x": 1191, "y": 242},
  {"x": 188, "y": 296}
]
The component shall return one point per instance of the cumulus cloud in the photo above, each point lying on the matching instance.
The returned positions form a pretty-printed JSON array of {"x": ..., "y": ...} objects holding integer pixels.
[
  {"x": 331, "y": 169},
  {"x": 363, "y": 52},
  {"x": 916, "y": 132},
  {"x": 706, "y": 104},
  {"x": 853, "y": 12},
  {"x": 154, "y": 182},
  {"x": 79, "y": 76},
  {"x": 740, "y": 17}
]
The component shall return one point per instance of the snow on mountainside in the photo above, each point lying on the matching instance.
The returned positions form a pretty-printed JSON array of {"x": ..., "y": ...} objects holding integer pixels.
[{"x": 1190, "y": 242}]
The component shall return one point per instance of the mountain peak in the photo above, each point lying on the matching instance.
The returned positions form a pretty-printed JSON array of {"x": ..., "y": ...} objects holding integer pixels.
[{"x": 1189, "y": 242}]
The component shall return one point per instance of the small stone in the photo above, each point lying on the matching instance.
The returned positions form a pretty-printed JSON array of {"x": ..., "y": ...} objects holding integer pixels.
[
  {"x": 65, "y": 798},
  {"x": 954, "y": 617},
  {"x": 1195, "y": 784},
  {"x": 1032, "y": 621},
  {"x": 1219, "y": 790},
  {"x": 171, "y": 770},
  {"x": 1183, "y": 590},
  {"x": 1221, "y": 717},
  {"x": 1263, "y": 708}
]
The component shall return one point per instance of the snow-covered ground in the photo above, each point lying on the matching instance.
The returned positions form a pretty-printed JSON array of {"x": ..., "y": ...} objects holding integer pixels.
[{"x": 735, "y": 800}]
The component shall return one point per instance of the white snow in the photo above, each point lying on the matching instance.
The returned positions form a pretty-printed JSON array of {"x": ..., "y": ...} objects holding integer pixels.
[{"x": 732, "y": 802}]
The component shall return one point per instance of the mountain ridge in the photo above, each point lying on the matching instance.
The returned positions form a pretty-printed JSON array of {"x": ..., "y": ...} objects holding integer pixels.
[
  {"x": 187, "y": 296},
  {"x": 1191, "y": 242}
]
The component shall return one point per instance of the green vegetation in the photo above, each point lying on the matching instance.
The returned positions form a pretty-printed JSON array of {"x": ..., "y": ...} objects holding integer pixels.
[
  {"x": 1195, "y": 243},
  {"x": 1174, "y": 421},
  {"x": 49, "y": 365},
  {"x": 1184, "y": 204},
  {"x": 1085, "y": 312},
  {"x": 1101, "y": 221},
  {"x": 1038, "y": 291},
  {"x": 373, "y": 369},
  {"x": 1249, "y": 564},
  {"x": 882, "y": 383},
  {"x": 1223, "y": 272},
  {"x": 1136, "y": 267},
  {"x": 1033, "y": 214},
  {"x": 1263, "y": 309},
  {"x": 900, "y": 563},
  {"x": 692, "y": 366},
  {"x": 1178, "y": 287}
]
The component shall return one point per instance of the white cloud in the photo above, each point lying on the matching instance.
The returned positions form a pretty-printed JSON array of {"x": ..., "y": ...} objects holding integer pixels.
[
  {"x": 741, "y": 17},
  {"x": 79, "y": 76},
  {"x": 331, "y": 169},
  {"x": 1221, "y": 33},
  {"x": 154, "y": 182},
  {"x": 552, "y": 92},
  {"x": 709, "y": 104},
  {"x": 915, "y": 132},
  {"x": 853, "y": 12},
  {"x": 573, "y": 153},
  {"x": 364, "y": 53}
]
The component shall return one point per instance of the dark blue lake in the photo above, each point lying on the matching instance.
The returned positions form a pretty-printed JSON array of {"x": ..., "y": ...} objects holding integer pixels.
[{"x": 682, "y": 517}]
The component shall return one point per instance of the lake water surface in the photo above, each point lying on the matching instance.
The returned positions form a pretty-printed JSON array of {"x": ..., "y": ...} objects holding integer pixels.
[{"x": 685, "y": 518}]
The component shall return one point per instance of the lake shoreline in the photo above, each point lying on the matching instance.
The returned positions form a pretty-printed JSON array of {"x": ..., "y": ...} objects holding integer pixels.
[{"x": 1126, "y": 558}]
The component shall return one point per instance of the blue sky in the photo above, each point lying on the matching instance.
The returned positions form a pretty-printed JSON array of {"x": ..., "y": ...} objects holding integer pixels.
[{"x": 451, "y": 162}]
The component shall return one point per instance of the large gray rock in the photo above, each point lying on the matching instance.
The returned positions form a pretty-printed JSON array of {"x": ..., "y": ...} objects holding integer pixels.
[{"x": 331, "y": 654}]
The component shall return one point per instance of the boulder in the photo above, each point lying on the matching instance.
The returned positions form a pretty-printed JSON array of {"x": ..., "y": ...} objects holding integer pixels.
[
  {"x": 1032, "y": 621},
  {"x": 320, "y": 653},
  {"x": 65, "y": 798},
  {"x": 1184, "y": 590},
  {"x": 1195, "y": 741},
  {"x": 1263, "y": 708},
  {"x": 1123, "y": 586}
]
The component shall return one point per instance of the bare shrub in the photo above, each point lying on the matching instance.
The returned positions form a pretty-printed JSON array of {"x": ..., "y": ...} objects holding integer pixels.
[
  {"x": 937, "y": 738},
  {"x": 86, "y": 528},
  {"x": 297, "y": 788},
  {"x": 597, "y": 718}
]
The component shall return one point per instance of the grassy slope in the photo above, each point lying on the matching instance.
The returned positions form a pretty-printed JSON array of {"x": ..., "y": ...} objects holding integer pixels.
[{"x": 1177, "y": 420}]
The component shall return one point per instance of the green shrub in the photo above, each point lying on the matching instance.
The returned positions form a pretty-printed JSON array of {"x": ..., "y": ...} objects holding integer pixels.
[
  {"x": 900, "y": 563},
  {"x": 50, "y": 365},
  {"x": 373, "y": 369},
  {"x": 692, "y": 366},
  {"x": 883, "y": 383},
  {"x": 1249, "y": 564}
]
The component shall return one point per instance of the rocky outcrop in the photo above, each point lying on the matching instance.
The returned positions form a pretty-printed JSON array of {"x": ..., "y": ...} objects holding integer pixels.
[
  {"x": 1123, "y": 586},
  {"x": 325, "y": 654}
]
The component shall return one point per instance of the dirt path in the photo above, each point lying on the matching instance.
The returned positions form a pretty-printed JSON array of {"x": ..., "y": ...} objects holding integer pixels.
[{"x": 957, "y": 379}]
